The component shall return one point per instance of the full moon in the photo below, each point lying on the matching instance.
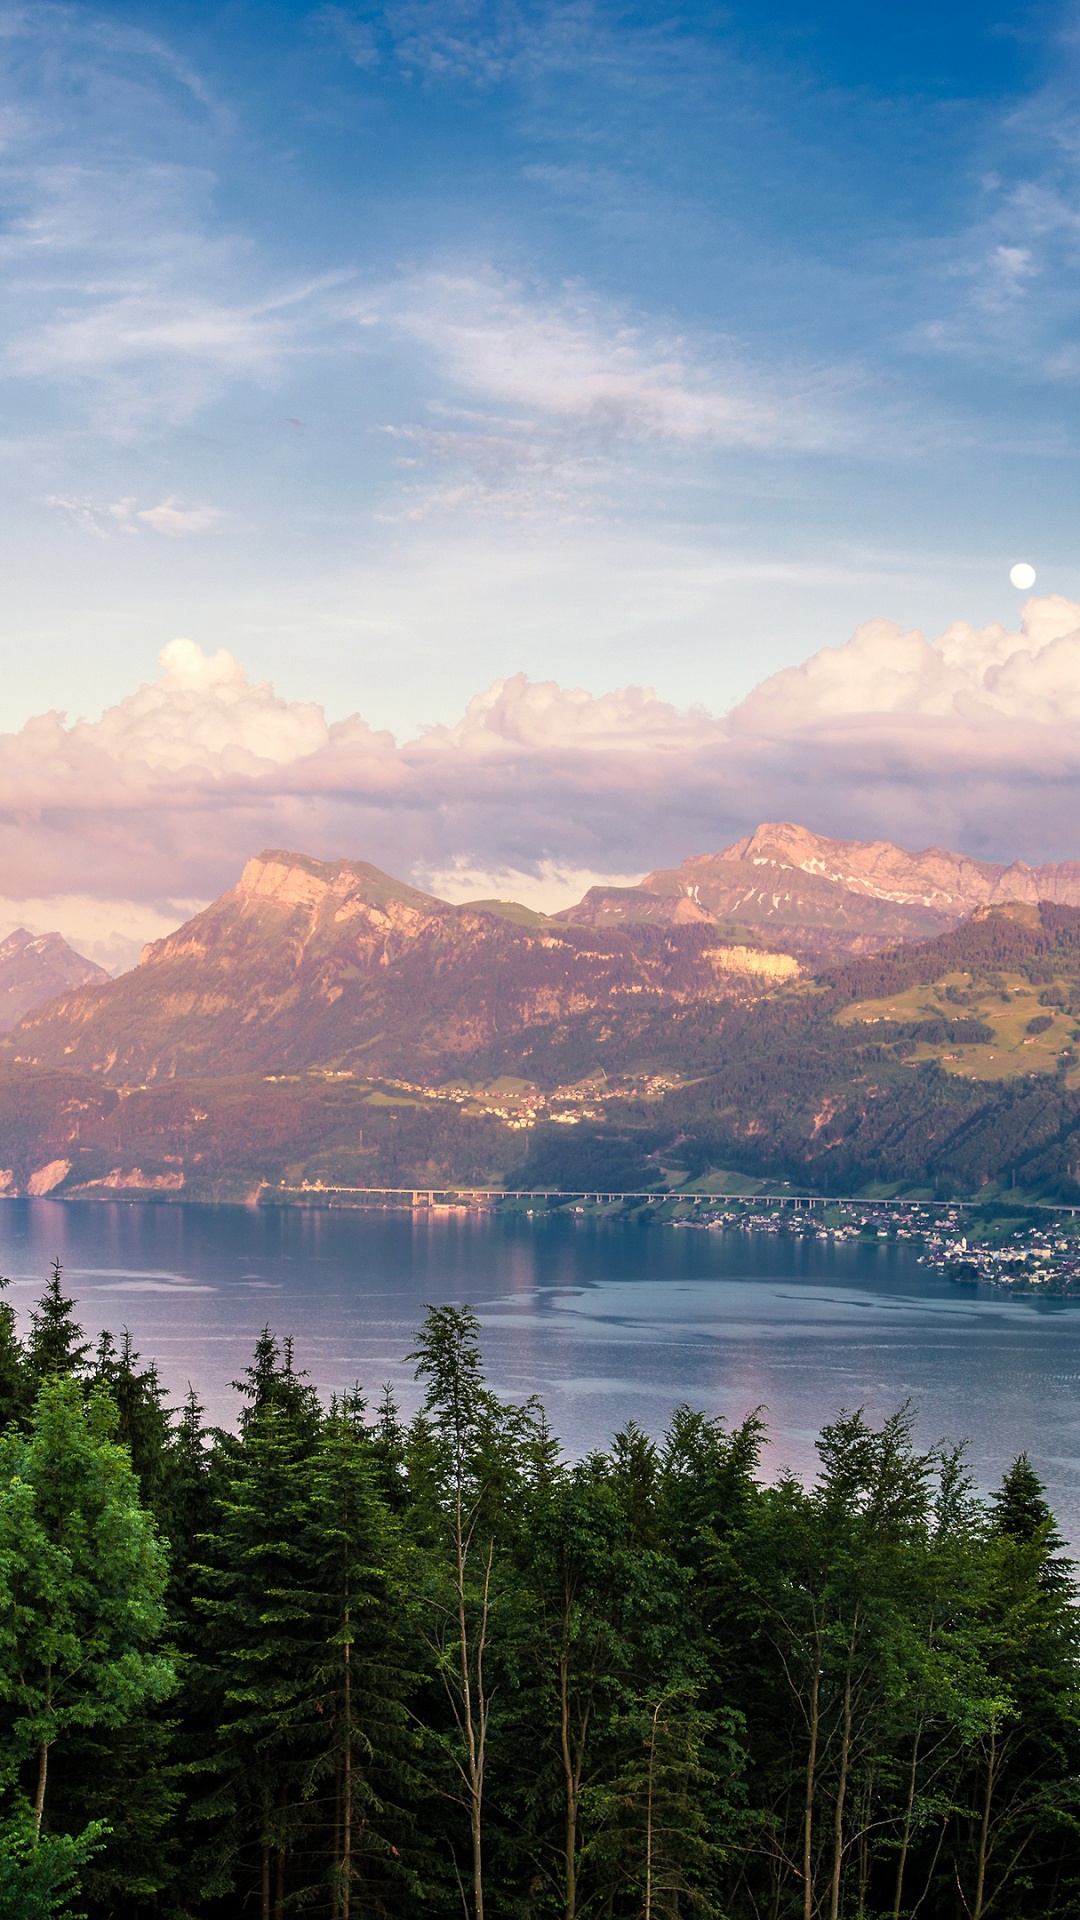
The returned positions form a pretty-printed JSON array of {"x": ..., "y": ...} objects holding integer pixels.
[{"x": 1022, "y": 575}]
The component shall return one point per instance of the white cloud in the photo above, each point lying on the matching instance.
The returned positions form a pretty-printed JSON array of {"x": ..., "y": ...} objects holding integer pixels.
[
  {"x": 175, "y": 521},
  {"x": 550, "y": 888},
  {"x": 984, "y": 683},
  {"x": 971, "y": 740}
]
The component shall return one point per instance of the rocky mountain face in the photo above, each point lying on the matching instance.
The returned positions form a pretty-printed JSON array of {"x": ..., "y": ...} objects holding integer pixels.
[
  {"x": 36, "y": 967},
  {"x": 821, "y": 898},
  {"x": 325, "y": 1026},
  {"x": 336, "y": 965}
]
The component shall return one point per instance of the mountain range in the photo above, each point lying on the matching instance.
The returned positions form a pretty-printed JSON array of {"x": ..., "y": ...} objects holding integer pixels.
[
  {"x": 792, "y": 1007},
  {"x": 307, "y": 963}
]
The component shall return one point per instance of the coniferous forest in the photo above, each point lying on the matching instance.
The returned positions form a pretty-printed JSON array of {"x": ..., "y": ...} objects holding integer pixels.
[{"x": 333, "y": 1664}]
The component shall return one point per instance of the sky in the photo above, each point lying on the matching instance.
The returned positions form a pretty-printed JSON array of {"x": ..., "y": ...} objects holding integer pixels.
[{"x": 526, "y": 443}]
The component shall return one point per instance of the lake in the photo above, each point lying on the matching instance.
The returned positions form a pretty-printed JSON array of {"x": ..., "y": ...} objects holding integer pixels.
[{"x": 605, "y": 1320}]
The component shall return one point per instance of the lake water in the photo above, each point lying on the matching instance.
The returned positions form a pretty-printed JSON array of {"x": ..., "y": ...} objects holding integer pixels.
[{"x": 606, "y": 1321}]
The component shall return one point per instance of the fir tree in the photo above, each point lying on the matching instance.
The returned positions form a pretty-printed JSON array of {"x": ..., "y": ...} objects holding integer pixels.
[
  {"x": 358, "y": 1638},
  {"x": 142, "y": 1419},
  {"x": 254, "y": 1601},
  {"x": 470, "y": 1465},
  {"x": 56, "y": 1346},
  {"x": 1019, "y": 1507}
]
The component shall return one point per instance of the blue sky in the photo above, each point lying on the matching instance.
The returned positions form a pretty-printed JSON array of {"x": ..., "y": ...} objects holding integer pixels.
[
  {"x": 447, "y": 341},
  {"x": 401, "y": 350}
]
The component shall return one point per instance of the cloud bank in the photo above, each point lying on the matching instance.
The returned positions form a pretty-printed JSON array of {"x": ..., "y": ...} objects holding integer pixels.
[{"x": 971, "y": 741}]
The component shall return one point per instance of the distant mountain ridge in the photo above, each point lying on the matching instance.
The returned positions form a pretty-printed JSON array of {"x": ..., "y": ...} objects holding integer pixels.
[
  {"x": 34, "y": 967},
  {"x": 820, "y": 898}
]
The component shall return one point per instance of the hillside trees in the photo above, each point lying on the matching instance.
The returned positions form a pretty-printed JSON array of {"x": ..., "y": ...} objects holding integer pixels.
[{"x": 430, "y": 1667}]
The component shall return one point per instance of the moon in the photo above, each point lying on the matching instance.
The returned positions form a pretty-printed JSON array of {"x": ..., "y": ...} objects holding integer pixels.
[{"x": 1022, "y": 575}]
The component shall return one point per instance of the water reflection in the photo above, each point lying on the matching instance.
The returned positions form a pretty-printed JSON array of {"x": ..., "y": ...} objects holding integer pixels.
[{"x": 605, "y": 1322}]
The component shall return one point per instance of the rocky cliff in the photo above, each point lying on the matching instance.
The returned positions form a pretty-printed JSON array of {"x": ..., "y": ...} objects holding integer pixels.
[{"x": 336, "y": 965}]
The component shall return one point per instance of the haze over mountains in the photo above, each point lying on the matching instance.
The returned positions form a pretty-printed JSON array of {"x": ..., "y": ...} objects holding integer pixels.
[{"x": 305, "y": 963}]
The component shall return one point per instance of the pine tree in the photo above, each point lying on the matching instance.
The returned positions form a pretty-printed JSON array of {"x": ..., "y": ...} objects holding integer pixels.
[
  {"x": 187, "y": 1482},
  {"x": 389, "y": 1451},
  {"x": 657, "y": 1822},
  {"x": 356, "y": 1671},
  {"x": 254, "y": 1599},
  {"x": 1019, "y": 1510},
  {"x": 142, "y": 1419},
  {"x": 471, "y": 1463},
  {"x": 1023, "y": 1762},
  {"x": 56, "y": 1346}
]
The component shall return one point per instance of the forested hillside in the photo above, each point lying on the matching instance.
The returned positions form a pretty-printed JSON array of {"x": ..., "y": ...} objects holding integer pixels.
[
  {"x": 336, "y": 1664},
  {"x": 949, "y": 1066}
]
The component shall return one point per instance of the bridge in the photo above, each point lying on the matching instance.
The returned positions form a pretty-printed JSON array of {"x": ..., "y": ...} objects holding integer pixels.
[{"x": 444, "y": 1198}]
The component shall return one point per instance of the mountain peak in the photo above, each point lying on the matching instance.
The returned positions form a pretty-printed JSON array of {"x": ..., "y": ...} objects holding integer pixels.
[
  {"x": 34, "y": 968},
  {"x": 297, "y": 880}
]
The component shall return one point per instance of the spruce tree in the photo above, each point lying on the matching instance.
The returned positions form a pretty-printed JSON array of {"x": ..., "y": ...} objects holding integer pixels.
[
  {"x": 142, "y": 1419},
  {"x": 55, "y": 1347},
  {"x": 253, "y": 1598},
  {"x": 471, "y": 1463},
  {"x": 1019, "y": 1507},
  {"x": 357, "y": 1631},
  {"x": 1023, "y": 1763}
]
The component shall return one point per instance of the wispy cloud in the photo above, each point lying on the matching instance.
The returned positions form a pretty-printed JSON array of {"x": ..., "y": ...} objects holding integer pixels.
[
  {"x": 551, "y": 399},
  {"x": 125, "y": 516},
  {"x": 475, "y": 44},
  {"x": 125, "y": 290},
  {"x": 575, "y": 359},
  {"x": 353, "y": 34},
  {"x": 1003, "y": 284}
]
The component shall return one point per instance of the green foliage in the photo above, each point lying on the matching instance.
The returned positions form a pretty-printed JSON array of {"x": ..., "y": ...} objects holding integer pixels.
[
  {"x": 56, "y": 1347},
  {"x": 39, "y": 1876},
  {"x": 434, "y": 1669},
  {"x": 14, "y": 1383},
  {"x": 82, "y": 1581}
]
